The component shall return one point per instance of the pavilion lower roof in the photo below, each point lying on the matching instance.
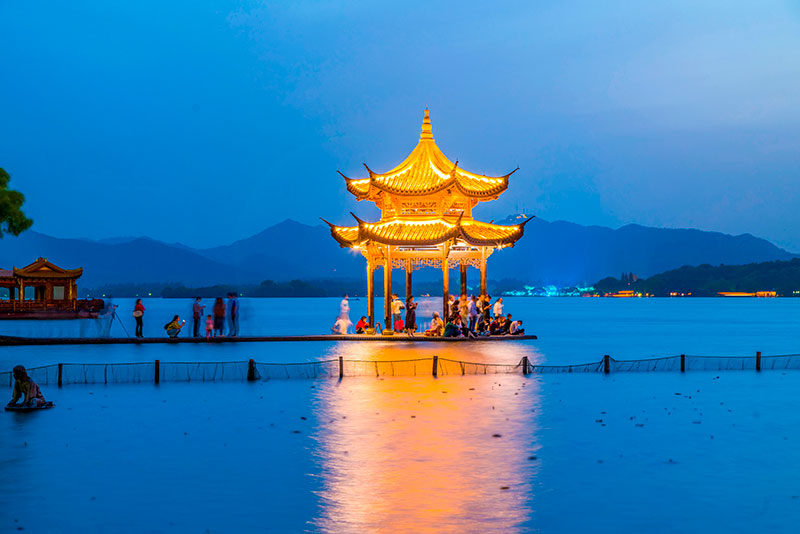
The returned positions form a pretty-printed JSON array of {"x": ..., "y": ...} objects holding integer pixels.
[{"x": 427, "y": 232}]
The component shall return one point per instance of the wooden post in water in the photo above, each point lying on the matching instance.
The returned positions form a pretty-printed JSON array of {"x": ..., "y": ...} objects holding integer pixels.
[
  {"x": 341, "y": 367},
  {"x": 606, "y": 364},
  {"x": 251, "y": 370},
  {"x": 683, "y": 363},
  {"x": 435, "y": 366},
  {"x": 158, "y": 371},
  {"x": 758, "y": 361},
  {"x": 525, "y": 365},
  {"x": 60, "y": 373}
]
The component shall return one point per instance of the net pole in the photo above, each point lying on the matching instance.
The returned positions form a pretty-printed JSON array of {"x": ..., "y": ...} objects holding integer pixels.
[
  {"x": 683, "y": 363},
  {"x": 606, "y": 364},
  {"x": 251, "y": 370},
  {"x": 758, "y": 361},
  {"x": 525, "y": 365},
  {"x": 158, "y": 371},
  {"x": 341, "y": 367},
  {"x": 60, "y": 373},
  {"x": 435, "y": 366}
]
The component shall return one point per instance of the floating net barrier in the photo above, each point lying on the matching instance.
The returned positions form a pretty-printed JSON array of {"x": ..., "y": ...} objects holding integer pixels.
[{"x": 239, "y": 371}]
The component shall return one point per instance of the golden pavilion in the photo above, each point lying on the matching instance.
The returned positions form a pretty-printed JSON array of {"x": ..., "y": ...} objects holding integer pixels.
[{"x": 426, "y": 220}]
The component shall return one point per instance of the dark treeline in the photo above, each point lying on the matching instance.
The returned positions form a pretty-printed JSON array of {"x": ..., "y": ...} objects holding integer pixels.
[{"x": 708, "y": 280}]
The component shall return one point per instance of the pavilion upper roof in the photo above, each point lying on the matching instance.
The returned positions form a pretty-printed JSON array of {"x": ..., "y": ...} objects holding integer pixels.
[
  {"x": 427, "y": 171},
  {"x": 42, "y": 268},
  {"x": 432, "y": 231}
]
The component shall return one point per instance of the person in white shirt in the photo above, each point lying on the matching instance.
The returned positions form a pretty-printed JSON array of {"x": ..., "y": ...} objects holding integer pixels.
[
  {"x": 516, "y": 328},
  {"x": 397, "y": 308},
  {"x": 342, "y": 326},
  {"x": 344, "y": 308},
  {"x": 498, "y": 307}
]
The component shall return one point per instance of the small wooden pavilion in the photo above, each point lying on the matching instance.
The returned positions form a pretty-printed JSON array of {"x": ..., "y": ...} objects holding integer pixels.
[
  {"x": 426, "y": 205},
  {"x": 54, "y": 288}
]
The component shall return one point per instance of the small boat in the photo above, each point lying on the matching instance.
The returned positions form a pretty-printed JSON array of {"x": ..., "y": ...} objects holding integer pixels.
[{"x": 23, "y": 408}]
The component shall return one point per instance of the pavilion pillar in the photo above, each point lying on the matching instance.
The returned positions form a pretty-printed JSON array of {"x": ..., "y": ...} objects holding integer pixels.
[
  {"x": 462, "y": 270},
  {"x": 409, "y": 268},
  {"x": 483, "y": 271},
  {"x": 21, "y": 290},
  {"x": 445, "y": 284},
  {"x": 371, "y": 294},
  {"x": 387, "y": 291}
]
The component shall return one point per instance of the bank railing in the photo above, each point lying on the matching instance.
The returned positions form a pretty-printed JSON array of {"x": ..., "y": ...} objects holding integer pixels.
[{"x": 251, "y": 370}]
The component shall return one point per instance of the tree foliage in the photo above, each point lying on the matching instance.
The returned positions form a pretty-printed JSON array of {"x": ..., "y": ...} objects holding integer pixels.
[{"x": 12, "y": 219}]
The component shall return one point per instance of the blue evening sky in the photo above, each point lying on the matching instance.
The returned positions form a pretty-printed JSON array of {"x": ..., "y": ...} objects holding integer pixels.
[{"x": 205, "y": 122}]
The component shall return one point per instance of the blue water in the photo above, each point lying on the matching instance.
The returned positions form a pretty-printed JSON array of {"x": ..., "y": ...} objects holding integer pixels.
[{"x": 631, "y": 452}]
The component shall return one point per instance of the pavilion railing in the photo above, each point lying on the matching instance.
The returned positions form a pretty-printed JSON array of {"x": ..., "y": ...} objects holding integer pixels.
[{"x": 157, "y": 371}]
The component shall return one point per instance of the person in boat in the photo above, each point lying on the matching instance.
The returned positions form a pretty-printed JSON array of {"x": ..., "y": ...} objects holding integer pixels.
[
  {"x": 437, "y": 326},
  {"x": 411, "y": 316},
  {"x": 27, "y": 389},
  {"x": 173, "y": 327},
  {"x": 362, "y": 325}
]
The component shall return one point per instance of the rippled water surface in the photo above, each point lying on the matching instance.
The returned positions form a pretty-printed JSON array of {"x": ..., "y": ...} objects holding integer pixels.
[{"x": 631, "y": 452}]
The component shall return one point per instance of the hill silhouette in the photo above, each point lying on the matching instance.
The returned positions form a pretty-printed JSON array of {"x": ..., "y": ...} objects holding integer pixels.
[{"x": 558, "y": 253}]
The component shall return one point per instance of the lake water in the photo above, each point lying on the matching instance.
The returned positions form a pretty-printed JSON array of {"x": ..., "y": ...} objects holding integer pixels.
[{"x": 635, "y": 452}]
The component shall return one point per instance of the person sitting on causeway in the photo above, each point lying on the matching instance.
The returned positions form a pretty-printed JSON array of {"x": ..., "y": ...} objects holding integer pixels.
[
  {"x": 496, "y": 328},
  {"x": 24, "y": 386},
  {"x": 483, "y": 327},
  {"x": 453, "y": 328},
  {"x": 437, "y": 326},
  {"x": 173, "y": 327},
  {"x": 507, "y": 324},
  {"x": 516, "y": 329}
]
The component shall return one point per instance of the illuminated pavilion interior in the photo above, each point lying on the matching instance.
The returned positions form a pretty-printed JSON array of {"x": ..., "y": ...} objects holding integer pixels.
[{"x": 426, "y": 220}]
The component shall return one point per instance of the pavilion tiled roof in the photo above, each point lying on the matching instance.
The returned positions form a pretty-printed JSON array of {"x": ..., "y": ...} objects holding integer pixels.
[
  {"x": 427, "y": 232},
  {"x": 427, "y": 171}
]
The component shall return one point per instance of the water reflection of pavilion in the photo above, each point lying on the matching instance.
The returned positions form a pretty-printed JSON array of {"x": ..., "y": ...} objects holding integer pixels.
[{"x": 420, "y": 455}]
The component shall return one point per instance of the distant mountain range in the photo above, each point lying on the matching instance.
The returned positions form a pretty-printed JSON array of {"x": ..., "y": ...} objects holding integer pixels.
[{"x": 558, "y": 253}]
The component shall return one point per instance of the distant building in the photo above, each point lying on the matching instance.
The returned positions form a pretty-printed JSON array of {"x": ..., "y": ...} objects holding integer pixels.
[{"x": 43, "y": 290}]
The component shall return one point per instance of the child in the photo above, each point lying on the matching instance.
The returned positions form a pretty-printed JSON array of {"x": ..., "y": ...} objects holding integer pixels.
[
  {"x": 23, "y": 385},
  {"x": 209, "y": 326}
]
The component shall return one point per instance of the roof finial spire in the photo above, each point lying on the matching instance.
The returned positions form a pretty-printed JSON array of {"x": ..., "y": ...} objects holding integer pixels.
[{"x": 426, "y": 127}]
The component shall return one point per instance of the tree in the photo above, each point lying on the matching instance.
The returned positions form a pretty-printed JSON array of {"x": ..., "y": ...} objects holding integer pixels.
[{"x": 12, "y": 220}]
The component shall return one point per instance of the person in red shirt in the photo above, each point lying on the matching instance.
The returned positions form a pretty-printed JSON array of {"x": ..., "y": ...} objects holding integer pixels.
[
  {"x": 138, "y": 312},
  {"x": 362, "y": 325}
]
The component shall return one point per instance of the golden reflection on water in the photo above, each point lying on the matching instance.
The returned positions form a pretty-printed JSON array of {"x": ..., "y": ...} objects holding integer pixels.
[
  {"x": 418, "y": 454},
  {"x": 504, "y": 352}
]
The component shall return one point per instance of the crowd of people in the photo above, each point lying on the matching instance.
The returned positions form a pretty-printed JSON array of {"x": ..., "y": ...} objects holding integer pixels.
[
  {"x": 469, "y": 317},
  {"x": 213, "y": 323}
]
